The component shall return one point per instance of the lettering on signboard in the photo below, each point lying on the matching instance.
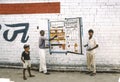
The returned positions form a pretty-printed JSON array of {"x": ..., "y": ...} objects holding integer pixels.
[{"x": 16, "y": 32}]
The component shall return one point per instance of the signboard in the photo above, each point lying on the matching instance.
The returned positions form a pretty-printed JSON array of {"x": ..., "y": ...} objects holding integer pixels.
[
  {"x": 73, "y": 35},
  {"x": 58, "y": 44},
  {"x": 69, "y": 38}
]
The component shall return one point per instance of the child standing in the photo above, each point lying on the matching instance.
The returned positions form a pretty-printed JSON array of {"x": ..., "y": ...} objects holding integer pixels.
[{"x": 26, "y": 61}]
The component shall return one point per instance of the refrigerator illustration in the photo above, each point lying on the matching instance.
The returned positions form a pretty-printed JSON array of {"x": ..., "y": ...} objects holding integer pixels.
[{"x": 69, "y": 36}]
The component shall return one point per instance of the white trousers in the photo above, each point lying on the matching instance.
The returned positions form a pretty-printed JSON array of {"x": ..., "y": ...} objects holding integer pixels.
[
  {"x": 42, "y": 66},
  {"x": 91, "y": 62}
]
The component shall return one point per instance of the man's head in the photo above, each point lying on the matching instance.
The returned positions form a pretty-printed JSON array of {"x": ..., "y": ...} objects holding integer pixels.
[
  {"x": 90, "y": 32},
  {"x": 42, "y": 32},
  {"x": 26, "y": 47}
]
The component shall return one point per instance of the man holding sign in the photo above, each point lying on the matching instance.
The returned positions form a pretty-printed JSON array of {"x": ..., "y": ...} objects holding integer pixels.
[
  {"x": 42, "y": 53},
  {"x": 91, "y": 45}
]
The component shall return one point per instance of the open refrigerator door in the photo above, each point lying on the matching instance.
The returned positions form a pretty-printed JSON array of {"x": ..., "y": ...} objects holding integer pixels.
[{"x": 73, "y": 29}]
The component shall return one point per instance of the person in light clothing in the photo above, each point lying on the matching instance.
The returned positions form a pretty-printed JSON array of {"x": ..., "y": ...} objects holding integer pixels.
[
  {"x": 42, "y": 52},
  {"x": 91, "y": 45}
]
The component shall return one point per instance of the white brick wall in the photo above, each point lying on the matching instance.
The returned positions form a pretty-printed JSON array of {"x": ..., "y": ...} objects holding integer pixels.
[{"x": 101, "y": 15}]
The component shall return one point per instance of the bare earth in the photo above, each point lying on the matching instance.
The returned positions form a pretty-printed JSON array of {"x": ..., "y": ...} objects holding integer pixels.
[{"x": 16, "y": 75}]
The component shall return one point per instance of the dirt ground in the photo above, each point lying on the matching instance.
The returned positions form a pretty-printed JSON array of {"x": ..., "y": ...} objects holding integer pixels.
[{"x": 16, "y": 76}]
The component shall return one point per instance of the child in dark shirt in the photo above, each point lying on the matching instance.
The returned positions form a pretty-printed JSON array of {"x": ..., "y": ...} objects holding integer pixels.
[{"x": 26, "y": 61}]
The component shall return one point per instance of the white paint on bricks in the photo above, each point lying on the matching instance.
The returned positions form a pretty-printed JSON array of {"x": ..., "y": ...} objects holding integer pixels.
[{"x": 96, "y": 14}]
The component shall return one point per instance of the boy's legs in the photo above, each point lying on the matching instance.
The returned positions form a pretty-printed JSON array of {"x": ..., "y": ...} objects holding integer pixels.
[
  {"x": 29, "y": 71},
  {"x": 42, "y": 61},
  {"x": 89, "y": 62},
  {"x": 28, "y": 67},
  {"x": 24, "y": 69},
  {"x": 24, "y": 77}
]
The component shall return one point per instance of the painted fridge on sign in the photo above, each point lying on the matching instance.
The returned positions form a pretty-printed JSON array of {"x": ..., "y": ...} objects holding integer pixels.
[{"x": 69, "y": 34}]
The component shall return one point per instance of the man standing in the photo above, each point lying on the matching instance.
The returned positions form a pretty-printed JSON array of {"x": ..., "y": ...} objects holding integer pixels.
[
  {"x": 91, "y": 45},
  {"x": 42, "y": 53}
]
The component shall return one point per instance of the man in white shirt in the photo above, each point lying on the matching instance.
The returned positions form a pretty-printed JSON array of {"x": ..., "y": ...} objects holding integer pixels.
[{"x": 91, "y": 45}]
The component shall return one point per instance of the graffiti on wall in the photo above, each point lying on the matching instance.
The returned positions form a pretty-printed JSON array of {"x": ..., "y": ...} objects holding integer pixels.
[{"x": 24, "y": 31}]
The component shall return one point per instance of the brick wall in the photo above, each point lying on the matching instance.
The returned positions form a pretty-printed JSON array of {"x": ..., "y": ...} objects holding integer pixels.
[{"x": 101, "y": 15}]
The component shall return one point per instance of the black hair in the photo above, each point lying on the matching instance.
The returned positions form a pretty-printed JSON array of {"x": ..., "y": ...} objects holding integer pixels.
[
  {"x": 26, "y": 46},
  {"x": 91, "y": 31},
  {"x": 42, "y": 31}
]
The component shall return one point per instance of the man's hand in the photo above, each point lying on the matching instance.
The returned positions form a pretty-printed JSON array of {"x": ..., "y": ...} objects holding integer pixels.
[
  {"x": 55, "y": 36},
  {"x": 93, "y": 48},
  {"x": 23, "y": 61},
  {"x": 86, "y": 45},
  {"x": 52, "y": 38},
  {"x": 90, "y": 49}
]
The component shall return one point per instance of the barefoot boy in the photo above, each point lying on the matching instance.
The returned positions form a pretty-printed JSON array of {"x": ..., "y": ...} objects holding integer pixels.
[{"x": 26, "y": 61}]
